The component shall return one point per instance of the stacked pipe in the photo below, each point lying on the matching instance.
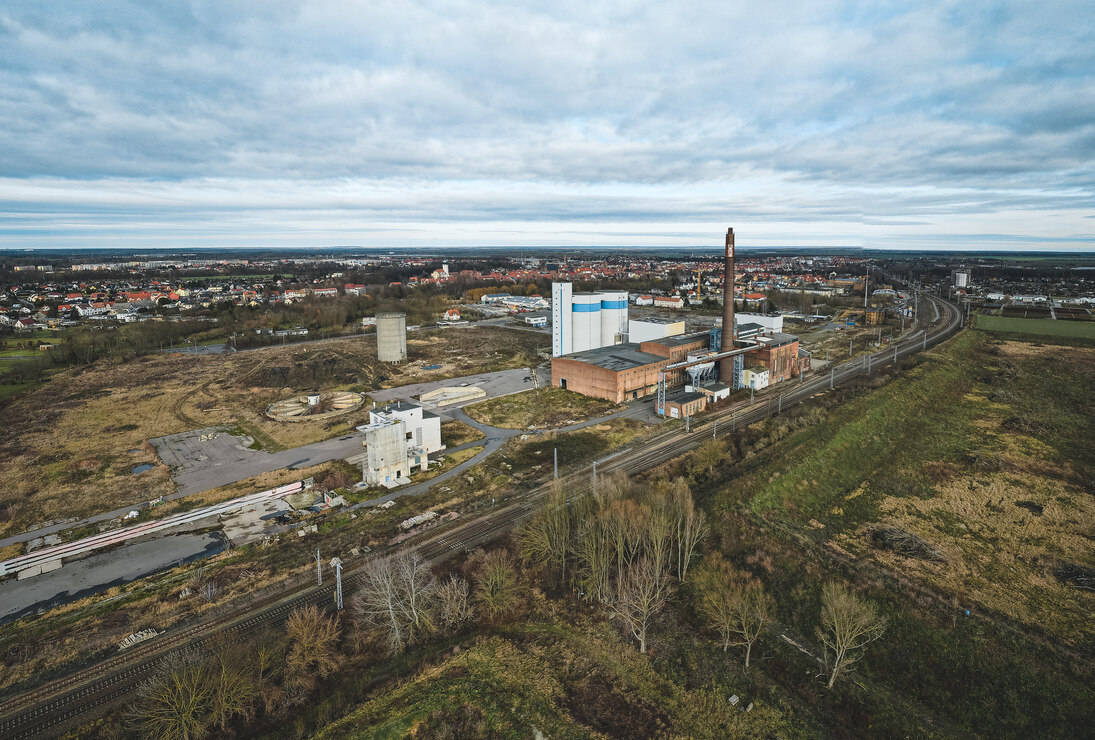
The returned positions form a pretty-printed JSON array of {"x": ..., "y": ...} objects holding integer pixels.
[{"x": 726, "y": 365}]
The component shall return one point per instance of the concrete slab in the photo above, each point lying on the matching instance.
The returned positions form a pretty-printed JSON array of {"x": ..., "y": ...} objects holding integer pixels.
[
  {"x": 99, "y": 572},
  {"x": 501, "y": 383}
]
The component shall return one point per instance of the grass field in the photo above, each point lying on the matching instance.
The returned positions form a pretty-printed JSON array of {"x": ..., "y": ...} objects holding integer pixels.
[
  {"x": 1043, "y": 327},
  {"x": 455, "y": 433},
  {"x": 543, "y": 408},
  {"x": 983, "y": 452},
  {"x": 69, "y": 445},
  {"x": 550, "y": 679}
]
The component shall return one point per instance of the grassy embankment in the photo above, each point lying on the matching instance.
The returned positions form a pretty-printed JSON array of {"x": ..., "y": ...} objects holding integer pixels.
[
  {"x": 543, "y": 408},
  {"x": 983, "y": 452},
  {"x": 560, "y": 679}
]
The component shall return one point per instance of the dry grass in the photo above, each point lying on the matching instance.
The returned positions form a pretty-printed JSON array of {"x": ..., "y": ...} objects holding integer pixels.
[
  {"x": 543, "y": 408},
  {"x": 455, "y": 433},
  {"x": 1005, "y": 522},
  {"x": 65, "y": 446}
]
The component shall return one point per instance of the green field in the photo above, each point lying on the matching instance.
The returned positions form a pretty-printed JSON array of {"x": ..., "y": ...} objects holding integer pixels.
[{"x": 1048, "y": 327}]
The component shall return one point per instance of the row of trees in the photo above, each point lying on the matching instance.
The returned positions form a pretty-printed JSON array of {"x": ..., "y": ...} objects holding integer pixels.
[
  {"x": 628, "y": 547},
  {"x": 400, "y": 602},
  {"x": 621, "y": 545},
  {"x": 199, "y": 692}
]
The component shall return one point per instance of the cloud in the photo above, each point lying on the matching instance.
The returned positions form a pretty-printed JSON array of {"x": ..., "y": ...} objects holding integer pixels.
[{"x": 795, "y": 118}]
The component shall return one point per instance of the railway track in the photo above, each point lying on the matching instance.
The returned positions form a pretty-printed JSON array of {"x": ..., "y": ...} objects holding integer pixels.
[{"x": 58, "y": 705}]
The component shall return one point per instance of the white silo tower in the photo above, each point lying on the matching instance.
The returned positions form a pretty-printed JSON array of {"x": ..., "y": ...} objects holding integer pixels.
[
  {"x": 586, "y": 308},
  {"x": 562, "y": 323},
  {"x": 613, "y": 316}
]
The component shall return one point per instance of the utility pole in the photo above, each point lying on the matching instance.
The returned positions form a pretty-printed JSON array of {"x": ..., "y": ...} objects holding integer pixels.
[
  {"x": 714, "y": 428},
  {"x": 687, "y": 425},
  {"x": 866, "y": 284},
  {"x": 319, "y": 568},
  {"x": 337, "y": 563},
  {"x": 750, "y": 395},
  {"x": 849, "y": 348},
  {"x": 895, "y": 355},
  {"x": 779, "y": 409},
  {"x": 832, "y": 376},
  {"x": 868, "y": 363},
  {"x": 556, "y": 454},
  {"x": 594, "y": 476}
]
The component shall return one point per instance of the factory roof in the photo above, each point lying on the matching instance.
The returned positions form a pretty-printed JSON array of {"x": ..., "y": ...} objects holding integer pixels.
[
  {"x": 682, "y": 396},
  {"x": 680, "y": 339},
  {"x": 776, "y": 339},
  {"x": 616, "y": 357},
  {"x": 658, "y": 320}
]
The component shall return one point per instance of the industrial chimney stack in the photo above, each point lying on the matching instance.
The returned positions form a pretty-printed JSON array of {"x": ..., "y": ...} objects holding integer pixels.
[{"x": 726, "y": 365}]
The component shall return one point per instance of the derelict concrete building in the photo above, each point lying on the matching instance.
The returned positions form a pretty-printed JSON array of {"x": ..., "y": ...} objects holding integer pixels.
[{"x": 391, "y": 337}]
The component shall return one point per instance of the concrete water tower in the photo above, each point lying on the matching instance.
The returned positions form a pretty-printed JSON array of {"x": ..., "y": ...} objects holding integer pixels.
[{"x": 391, "y": 337}]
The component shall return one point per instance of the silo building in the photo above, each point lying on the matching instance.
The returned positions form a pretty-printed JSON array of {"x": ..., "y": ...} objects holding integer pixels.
[{"x": 584, "y": 321}]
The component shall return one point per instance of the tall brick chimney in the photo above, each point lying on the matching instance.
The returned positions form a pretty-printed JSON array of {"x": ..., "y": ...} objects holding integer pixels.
[{"x": 726, "y": 365}]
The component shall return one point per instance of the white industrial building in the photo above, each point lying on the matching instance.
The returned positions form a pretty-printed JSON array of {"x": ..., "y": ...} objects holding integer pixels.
[
  {"x": 757, "y": 377},
  {"x": 654, "y": 327},
  {"x": 584, "y": 321},
  {"x": 398, "y": 439},
  {"x": 770, "y": 322}
]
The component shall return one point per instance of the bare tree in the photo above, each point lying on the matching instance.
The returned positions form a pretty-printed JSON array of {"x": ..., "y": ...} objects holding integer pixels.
[
  {"x": 848, "y": 623},
  {"x": 735, "y": 604},
  {"x": 593, "y": 550},
  {"x": 233, "y": 692},
  {"x": 175, "y": 703},
  {"x": 454, "y": 602},
  {"x": 496, "y": 584},
  {"x": 638, "y": 597},
  {"x": 396, "y": 596},
  {"x": 691, "y": 526},
  {"x": 625, "y": 523},
  {"x": 209, "y": 591},
  {"x": 313, "y": 646},
  {"x": 547, "y": 537},
  {"x": 708, "y": 456},
  {"x": 658, "y": 534}
]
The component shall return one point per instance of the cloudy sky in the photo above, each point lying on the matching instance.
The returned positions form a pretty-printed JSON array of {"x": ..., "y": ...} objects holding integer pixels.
[{"x": 966, "y": 124}]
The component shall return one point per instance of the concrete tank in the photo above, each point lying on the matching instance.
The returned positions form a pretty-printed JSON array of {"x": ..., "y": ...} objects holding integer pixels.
[
  {"x": 391, "y": 337},
  {"x": 586, "y": 308},
  {"x": 613, "y": 316}
]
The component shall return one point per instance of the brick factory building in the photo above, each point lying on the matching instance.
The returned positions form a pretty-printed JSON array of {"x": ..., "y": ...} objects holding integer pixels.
[
  {"x": 628, "y": 371},
  {"x": 779, "y": 353},
  {"x": 618, "y": 373}
]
